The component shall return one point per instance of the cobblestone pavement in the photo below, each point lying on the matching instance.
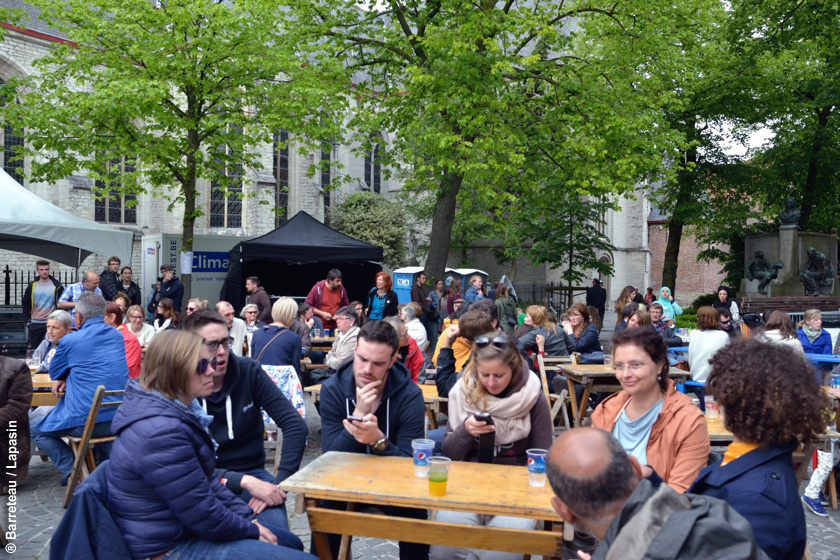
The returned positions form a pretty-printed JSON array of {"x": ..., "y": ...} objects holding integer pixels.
[{"x": 40, "y": 496}]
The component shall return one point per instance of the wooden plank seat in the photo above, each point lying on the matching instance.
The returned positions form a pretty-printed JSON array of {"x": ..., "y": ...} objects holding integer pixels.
[{"x": 82, "y": 446}]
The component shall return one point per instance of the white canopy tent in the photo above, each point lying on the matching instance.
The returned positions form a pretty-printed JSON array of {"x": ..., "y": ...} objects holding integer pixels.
[{"x": 29, "y": 224}]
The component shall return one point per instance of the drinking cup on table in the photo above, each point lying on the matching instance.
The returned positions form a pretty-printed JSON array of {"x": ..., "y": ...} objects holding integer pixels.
[
  {"x": 438, "y": 475},
  {"x": 712, "y": 408},
  {"x": 422, "y": 453},
  {"x": 316, "y": 333},
  {"x": 536, "y": 466}
]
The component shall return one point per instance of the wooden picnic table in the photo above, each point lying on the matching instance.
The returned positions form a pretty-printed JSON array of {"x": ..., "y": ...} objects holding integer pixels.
[
  {"x": 486, "y": 489},
  {"x": 598, "y": 378},
  {"x": 42, "y": 390},
  {"x": 430, "y": 399},
  {"x": 322, "y": 343}
]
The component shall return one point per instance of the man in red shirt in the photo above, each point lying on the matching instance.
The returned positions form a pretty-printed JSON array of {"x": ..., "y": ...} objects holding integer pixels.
[{"x": 327, "y": 296}]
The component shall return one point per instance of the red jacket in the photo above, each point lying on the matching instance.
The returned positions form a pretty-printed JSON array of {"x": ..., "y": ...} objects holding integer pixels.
[
  {"x": 133, "y": 352},
  {"x": 414, "y": 360}
]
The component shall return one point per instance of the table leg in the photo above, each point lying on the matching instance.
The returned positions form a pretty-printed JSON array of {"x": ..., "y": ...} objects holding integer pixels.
[
  {"x": 344, "y": 547},
  {"x": 430, "y": 412},
  {"x": 573, "y": 401},
  {"x": 322, "y": 543}
]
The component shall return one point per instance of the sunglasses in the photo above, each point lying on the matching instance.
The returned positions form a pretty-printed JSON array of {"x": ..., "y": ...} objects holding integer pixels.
[
  {"x": 203, "y": 364},
  {"x": 497, "y": 341}
]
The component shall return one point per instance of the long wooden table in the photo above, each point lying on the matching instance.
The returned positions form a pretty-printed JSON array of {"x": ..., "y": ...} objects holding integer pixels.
[
  {"x": 430, "y": 399},
  {"x": 599, "y": 378},
  {"x": 42, "y": 390},
  {"x": 389, "y": 481}
]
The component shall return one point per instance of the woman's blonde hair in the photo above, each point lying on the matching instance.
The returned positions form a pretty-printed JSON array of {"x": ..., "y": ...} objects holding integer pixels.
[
  {"x": 807, "y": 316},
  {"x": 475, "y": 393},
  {"x": 539, "y": 316},
  {"x": 199, "y": 303},
  {"x": 171, "y": 359},
  {"x": 284, "y": 311}
]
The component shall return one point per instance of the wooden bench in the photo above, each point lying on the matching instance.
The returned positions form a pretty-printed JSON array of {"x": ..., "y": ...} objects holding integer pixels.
[{"x": 790, "y": 304}]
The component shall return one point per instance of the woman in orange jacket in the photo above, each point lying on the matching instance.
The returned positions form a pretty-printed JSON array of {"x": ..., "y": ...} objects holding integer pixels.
[{"x": 662, "y": 428}]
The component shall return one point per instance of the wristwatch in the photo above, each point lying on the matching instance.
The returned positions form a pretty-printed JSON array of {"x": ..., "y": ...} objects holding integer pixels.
[{"x": 380, "y": 444}]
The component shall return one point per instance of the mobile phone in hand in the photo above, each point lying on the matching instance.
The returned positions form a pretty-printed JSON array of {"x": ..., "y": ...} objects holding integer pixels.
[
  {"x": 484, "y": 417},
  {"x": 356, "y": 418}
]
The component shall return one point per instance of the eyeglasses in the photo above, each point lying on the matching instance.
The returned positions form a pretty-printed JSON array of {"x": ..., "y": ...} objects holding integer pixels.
[
  {"x": 192, "y": 309},
  {"x": 213, "y": 345},
  {"x": 342, "y": 318},
  {"x": 251, "y": 311},
  {"x": 574, "y": 315},
  {"x": 137, "y": 317},
  {"x": 203, "y": 364},
  {"x": 497, "y": 341},
  {"x": 726, "y": 322},
  {"x": 632, "y": 366}
]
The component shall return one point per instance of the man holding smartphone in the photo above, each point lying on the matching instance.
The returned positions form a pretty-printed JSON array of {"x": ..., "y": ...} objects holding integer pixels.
[{"x": 371, "y": 406}]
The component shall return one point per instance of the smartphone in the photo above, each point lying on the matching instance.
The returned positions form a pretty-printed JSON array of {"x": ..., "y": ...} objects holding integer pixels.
[
  {"x": 484, "y": 417},
  {"x": 486, "y": 442},
  {"x": 356, "y": 418}
]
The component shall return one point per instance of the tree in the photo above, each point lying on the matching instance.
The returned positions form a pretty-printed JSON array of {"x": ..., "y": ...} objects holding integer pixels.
[
  {"x": 471, "y": 89},
  {"x": 374, "y": 219},
  {"x": 187, "y": 90}
]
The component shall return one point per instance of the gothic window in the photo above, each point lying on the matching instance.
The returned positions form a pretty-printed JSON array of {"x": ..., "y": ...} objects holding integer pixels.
[
  {"x": 326, "y": 179},
  {"x": 115, "y": 208},
  {"x": 281, "y": 177},
  {"x": 226, "y": 193},
  {"x": 11, "y": 144},
  {"x": 373, "y": 162}
]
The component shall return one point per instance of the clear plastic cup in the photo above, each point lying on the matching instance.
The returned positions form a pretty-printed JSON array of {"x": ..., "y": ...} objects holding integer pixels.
[
  {"x": 316, "y": 333},
  {"x": 712, "y": 408},
  {"x": 438, "y": 475},
  {"x": 422, "y": 452},
  {"x": 536, "y": 466}
]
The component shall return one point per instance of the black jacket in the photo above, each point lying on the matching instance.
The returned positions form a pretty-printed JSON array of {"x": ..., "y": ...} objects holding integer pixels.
[
  {"x": 27, "y": 297},
  {"x": 110, "y": 284},
  {"x": 391, "y": 303},
  {"x": 401, "y": 413},
  {"x": 249, "y": 390},
  {"x": 133, "y": 292}
]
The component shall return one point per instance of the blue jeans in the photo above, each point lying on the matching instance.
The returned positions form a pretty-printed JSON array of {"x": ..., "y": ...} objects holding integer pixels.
[
  {"x": 60, "y": 453},
  {"x": 274, "y": 516},
  {"x": 289, "y": 547},
  {"x": 437, "y": 437}
]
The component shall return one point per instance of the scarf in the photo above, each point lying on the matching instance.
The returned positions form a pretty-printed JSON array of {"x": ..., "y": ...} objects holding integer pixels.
[
  {"x": 812, "y": 335},
  {"x": 667, "y": 308},
  {"x": 511, "y": 415}
]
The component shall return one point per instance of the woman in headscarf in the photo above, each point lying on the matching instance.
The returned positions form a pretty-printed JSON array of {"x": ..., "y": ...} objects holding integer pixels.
[
  {"x": 670, "y": 308},
  {"x": 725, "y": 301}
]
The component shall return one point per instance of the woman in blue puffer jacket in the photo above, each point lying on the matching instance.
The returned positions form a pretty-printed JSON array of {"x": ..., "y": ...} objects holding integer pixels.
[{"x": 162, "y": 492}]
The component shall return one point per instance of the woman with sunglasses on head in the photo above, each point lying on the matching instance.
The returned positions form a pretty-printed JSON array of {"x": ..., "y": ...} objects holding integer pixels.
[
  {"x": 162, "y": 492},
  {"x": 662, "y": 428},
  {"x": 496, "y": 381}
]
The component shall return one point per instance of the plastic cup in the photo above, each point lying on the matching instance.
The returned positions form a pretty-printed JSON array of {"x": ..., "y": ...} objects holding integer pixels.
[
  {"x": 316, "y": 333},
  {"x": 712, "y": 408},
  {"x": 536, "y": 466},
  {"x": 438, "y": 475},
  {"x": 422, "y": 452}
]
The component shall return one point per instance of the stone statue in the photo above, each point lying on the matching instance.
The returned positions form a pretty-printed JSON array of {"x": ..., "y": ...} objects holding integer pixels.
[
  {"x": 759, "y": 269},
  {"x": 790, "y": 215},
  {"x": 817, "y": 275}
]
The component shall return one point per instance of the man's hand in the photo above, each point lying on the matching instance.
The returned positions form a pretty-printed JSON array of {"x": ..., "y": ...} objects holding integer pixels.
[
  {"x": 451, "y": 334},
  {"x": 366, "y": 432},
  {"x": 58, "y": 387},
  {"x": 266, "y": 536},
  {"x": 476, "y": 428},
  {"x": 365, "y": 397},
  {"x": 265, "y": 491}
]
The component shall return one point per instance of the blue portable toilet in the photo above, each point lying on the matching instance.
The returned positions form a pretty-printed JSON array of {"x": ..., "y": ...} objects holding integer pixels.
[
  {"x": 464, "y": 274},
  {"x": 404, "y": 279}
]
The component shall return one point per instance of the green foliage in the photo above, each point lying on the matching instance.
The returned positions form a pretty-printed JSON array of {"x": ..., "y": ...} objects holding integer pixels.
[
  {"x": 189, "y": 89},
  {"x": 705, "y": 299},
  {"x": 686, "y": 321},
  {"x": 374, "y": 219}
]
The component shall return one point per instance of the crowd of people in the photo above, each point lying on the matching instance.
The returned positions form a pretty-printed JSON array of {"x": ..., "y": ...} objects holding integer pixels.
[{"x": 186, "y": 474}]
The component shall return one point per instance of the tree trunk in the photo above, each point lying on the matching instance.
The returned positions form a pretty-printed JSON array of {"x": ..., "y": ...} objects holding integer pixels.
[
  {"x": 809, "y": 190},
  {"x": 672, "y": 254},
  {"x": 189, "y": 210},
  {"x": 442, "y": 219},
  {"x": 512, "y": 271}
]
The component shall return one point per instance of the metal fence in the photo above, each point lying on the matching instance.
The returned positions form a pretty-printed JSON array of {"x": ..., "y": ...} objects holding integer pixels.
[{"x": 16, "y": 281}]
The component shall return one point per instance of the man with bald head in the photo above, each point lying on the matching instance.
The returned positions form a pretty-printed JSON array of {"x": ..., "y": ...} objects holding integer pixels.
[
  {"x": 601, "y": 489},
  {"x": 236, "y": 327}
]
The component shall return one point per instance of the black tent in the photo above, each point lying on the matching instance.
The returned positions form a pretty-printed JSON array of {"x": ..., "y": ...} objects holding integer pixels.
[{"x": 290, "y": 259}]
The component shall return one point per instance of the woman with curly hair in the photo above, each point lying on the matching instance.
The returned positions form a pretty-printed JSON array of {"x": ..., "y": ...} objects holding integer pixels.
[
  {"x": 653, "y": 422},
  {"x": 769, "y": 400}
]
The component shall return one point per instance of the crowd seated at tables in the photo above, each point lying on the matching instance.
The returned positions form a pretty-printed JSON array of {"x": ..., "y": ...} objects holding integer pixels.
[{"x": 481, "y": 367}]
